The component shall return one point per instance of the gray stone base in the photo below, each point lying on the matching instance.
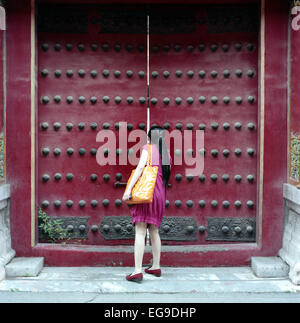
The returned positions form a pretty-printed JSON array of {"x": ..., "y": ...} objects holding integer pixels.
[
  {"x": 290, "y": 251},
  {"x": 269, "y": 267},
  {"x": 24, "y": 267},
  {"x": 294, "y": 274},
  {"x": 6, "y": 252},
  {"x": 2, "y": 273}
]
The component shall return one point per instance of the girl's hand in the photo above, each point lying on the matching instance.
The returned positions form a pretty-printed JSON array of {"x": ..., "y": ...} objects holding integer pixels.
[{"x": 126, "y": 196}]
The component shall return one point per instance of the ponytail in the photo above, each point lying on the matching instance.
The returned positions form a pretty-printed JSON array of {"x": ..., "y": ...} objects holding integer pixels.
[
  {"x": 165, "y": 160},
  {"x": 158, "y": 138}
]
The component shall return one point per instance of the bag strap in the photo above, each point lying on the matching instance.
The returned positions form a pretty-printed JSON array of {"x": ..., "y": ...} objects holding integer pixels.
[{"x": 149, "y": 161}]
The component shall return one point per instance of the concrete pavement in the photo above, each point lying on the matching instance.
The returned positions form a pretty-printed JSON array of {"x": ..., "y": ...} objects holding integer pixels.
[{"x": 177, "y": 285}]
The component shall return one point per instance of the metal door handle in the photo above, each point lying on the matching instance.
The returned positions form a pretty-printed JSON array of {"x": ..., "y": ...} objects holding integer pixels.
[{"x": 117, "y": 184}]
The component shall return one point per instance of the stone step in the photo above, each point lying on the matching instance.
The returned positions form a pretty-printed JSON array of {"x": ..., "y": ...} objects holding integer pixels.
[
  {"x": 168, "y": 273},
  {"x": 269, "y": 267},
  {"x": 107, "y": 280},
  {"x": 147, "y": 286},
  {"x": 24, "y": 267}
]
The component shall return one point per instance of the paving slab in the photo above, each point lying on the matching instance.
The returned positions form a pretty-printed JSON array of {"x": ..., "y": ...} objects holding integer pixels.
[
  {"x": 111, "y": 281},
  {"x": 148, "y": 298}
]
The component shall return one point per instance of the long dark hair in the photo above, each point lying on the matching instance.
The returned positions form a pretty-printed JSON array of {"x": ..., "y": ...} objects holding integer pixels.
[{"x": 156, "y": 135}]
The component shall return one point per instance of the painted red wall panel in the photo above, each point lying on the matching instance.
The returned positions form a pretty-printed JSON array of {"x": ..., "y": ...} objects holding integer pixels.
[
  {"x": 2, "y": 113},
  {"x": 1, "y": 84},
  {"x": 275, "y": 139},
  {"x": 18, "y": 121}
]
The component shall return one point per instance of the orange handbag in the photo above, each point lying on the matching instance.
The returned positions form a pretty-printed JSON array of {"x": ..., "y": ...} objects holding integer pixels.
[{"x": 142, "y": 192}]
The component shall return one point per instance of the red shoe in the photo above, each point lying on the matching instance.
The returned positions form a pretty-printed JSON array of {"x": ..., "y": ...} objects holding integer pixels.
[
  {"x": 137, "y": 278},
  {"x": 155, "y": 272}
]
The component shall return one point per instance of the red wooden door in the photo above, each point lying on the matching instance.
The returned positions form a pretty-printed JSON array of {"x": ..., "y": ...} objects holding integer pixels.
[
  {"x": 92, "y": 76},
  {"x": 203, "y": 76}
]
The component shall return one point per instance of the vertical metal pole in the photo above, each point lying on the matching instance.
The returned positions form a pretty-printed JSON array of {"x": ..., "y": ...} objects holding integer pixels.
[
  {"x": 148, "y": 82},
  {"x": 148, "y": 100}
]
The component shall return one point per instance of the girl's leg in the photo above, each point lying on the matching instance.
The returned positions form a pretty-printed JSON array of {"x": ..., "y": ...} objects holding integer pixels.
[
  {"x": 156, "y": 246},
  {"x": 139, "y": 246}
]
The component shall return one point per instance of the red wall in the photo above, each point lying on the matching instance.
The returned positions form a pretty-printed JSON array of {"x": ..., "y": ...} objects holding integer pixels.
[
  {"x": 18, "y": 121},
  {"x": 19, "y": 153},
  {"x": 2, "y": 99}
]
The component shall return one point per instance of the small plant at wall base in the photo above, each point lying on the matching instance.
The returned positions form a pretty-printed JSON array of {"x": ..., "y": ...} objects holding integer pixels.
[{"x": 52, "y": 228}]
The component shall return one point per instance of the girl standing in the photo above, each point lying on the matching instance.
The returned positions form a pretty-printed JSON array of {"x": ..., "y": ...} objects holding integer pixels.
[{"x": 149, "y": 215}]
